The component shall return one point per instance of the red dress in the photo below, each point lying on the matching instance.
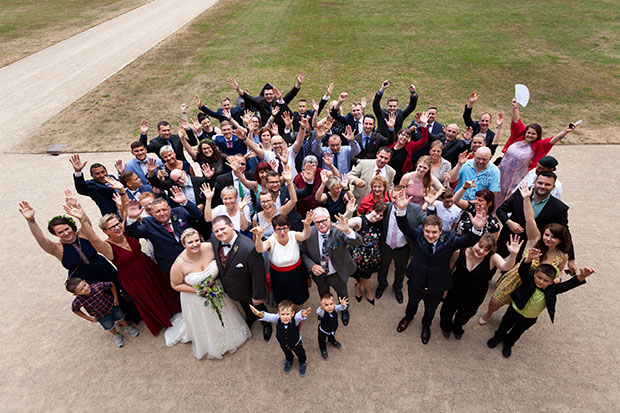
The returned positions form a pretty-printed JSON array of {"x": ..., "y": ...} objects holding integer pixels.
[{"x": 147, "y": 285}]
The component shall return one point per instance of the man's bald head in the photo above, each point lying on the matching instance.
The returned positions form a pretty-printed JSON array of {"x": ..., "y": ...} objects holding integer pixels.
[
  {"x": 452, "y": 131},
  {"x": 482, "y": 158}
]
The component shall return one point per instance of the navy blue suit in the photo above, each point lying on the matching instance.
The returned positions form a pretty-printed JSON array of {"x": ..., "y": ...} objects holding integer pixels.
[
  {"x": 165, "y": 246},
  {"x": 238, "y": 146},
  {"x": 98, "y": 192},
  {"x": 429, "y": 272},
  {"x": 134, "y": 166},
  {"x": 236, "y": 112}
]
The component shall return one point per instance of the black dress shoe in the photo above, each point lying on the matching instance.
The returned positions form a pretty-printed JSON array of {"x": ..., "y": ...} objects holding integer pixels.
[
  {"x": 335, "y": 343},
  {"x": 324, "y": 354},
  {"x": 446, "y": 334},
  {"x": 426, "y": 334},
  {"x": 399, "y": 296},
  {"x": 458, "y": 336},
  {"x": 493, "y": 342},
  {"x": 379, "y": 292},
  {"x": 506, "y": 351},
  {"x": 403, "y": 324},
  {"x": 371, "y": 301},
  {"x": 267, "y": 330},
  {"x": 345, "y": 317}
]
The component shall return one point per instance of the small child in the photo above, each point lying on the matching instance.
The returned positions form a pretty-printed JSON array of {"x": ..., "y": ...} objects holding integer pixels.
[
  {"x": 287, "y": 332},
  {"x": 328, "y": 321},
  {"x": 537, "y": 291},
  {"x": 446, "y": 210},
  {"x": 101, "y": 307}
]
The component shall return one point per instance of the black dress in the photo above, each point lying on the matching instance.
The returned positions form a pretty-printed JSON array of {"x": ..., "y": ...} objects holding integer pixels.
[
  {"x": 98, "y": 269},
  {"x": 467, "y": 294},
  {"x": 368, "y": 255}
]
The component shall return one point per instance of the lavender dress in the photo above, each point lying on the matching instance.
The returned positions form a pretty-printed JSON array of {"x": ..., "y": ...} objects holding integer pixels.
[{"x": 513, "y": 168}]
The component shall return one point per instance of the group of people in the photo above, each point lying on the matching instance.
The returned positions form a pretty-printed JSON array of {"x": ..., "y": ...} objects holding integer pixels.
[{"x": 285, "y": 198}]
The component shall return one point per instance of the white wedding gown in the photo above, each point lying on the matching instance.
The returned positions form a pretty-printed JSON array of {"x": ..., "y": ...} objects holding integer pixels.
[{"x": 201, "y": 325}]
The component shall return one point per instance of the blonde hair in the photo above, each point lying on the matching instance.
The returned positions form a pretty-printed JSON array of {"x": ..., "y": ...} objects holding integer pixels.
[
  {"x": 188, "y": 233},
  {"x": 230, "y": 190},
  {"x": 103, "y": 221}
]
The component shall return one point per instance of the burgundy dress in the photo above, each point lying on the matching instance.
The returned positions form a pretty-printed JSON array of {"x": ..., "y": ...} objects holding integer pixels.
[{"x": 147, "y": 285}]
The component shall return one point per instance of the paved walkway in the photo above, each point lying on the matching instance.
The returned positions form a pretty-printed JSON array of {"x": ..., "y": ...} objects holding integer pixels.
[{"x": 39, "y": 86}]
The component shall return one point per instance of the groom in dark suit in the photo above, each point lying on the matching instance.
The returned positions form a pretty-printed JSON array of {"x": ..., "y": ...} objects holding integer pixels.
[
  {"x": 429, "y": 270},
  {"x": 241, "y": 269},
  {"x": 327, "y": 257}
]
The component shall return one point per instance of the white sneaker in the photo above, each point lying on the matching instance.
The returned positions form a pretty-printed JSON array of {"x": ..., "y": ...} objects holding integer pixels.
[
  {"x": 118, "y": 339},
  {"x": 132, "y": 330}
]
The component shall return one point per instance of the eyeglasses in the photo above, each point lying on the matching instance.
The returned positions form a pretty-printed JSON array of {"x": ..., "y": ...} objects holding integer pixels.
[
  {"x": 283, "y": 229},
  {"x": 118, "y": 224},
  {"x": 321, "y": 222}
]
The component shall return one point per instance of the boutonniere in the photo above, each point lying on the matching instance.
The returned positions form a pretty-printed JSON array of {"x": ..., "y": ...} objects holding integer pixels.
[
  {"x": 443, "y": 237},
  {"x": 175, "y": 218},
  {"x": 235, "y": 249},
  {"x": 181, "y": 223}
]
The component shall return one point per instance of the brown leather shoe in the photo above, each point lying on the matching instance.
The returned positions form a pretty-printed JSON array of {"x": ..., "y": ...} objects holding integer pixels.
[
  {"x": 426, "y": 334},
  {"x": 403, "y": 324}
]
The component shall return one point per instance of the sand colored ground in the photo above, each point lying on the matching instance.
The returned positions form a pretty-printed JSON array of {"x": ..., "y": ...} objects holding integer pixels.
[{"x": 52, "y": 360}]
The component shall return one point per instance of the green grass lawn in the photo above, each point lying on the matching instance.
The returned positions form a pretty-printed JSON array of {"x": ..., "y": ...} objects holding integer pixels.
[
  {"x": 27, "y": 26},
  {"x": 566, "y": 52}
]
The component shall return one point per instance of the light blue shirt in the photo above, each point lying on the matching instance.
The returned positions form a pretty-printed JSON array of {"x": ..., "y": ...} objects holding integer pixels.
[
  {"x": 345, "y": 155},
  {"x": 487, "y": 179}
]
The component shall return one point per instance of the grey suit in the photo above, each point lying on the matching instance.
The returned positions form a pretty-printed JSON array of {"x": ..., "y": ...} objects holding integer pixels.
[
  {"x": 339, "y": 257},
  {"x": 400, "y": 256},
  {"x": 365, "y": 170}
]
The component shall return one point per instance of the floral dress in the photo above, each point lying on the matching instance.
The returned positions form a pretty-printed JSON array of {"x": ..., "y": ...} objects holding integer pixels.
[
  {"x": 513, "y": 168},
  {"x": 368, "y": 255},
  {"x": 509, "y": 282}
]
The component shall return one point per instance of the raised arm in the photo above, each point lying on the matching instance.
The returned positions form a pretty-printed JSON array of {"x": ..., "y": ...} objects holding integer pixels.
[
  {"x": 454, "y": 172},
  {"x": 504, "y": 264},
  {"x": 320, "y": 196},
  {"x": 417, "y": 145},
  {"x": 287, "y": 174},
  {"x": 562, "y": 134},
  {"x": 458, "y": 196},
  {"x": 260, "y": 245},
  {"x": 304, "y": 125},
  {"x": 531, "y": 229},
  {"x": 413, "y": 101},
  {"x": 498, "y": 128},
  {"x": 188, "y": 148},
  {"x": 234, "y": 165},
  {"x": 88, "y": 231},
  {"x": 473, "y": 97},
  {"x": 514, "y": 115},
  {"x": 208, "y": 193},
  {"x": 302, "y": 236},
  {"x": 47, "y": 245}
]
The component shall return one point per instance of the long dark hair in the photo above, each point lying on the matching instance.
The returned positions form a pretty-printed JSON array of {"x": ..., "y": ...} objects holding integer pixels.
[
  {"x": 560, "y": 232},
  {"x": 201, "y": 158}
]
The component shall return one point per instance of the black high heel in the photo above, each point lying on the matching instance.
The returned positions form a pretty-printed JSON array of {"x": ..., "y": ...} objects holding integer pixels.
[
  {"x": 359, "y": 299},
  {"x": 370, "y": 301}
]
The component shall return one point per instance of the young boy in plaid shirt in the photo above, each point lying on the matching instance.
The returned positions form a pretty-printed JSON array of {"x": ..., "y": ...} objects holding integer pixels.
[{"x": 100, "y": 305}]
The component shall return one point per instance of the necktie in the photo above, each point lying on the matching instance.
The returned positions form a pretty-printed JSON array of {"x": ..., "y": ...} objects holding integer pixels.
[
  {"x": 366, "y": 139},
  {"x": 171, "y": 231},
  {"x": 335, "y": 161},
  {"x": 378, "y": 172},
  {"x": 223, "y": 257},
  {"x": 431, "y": 250},
  {"x": 394, "y": 233},
  {"x": 280, "y": 167},
  {"x": 229, "y": 144},
  {"x": 324, "y": 256},
  {"x": 240, "y": 187}
]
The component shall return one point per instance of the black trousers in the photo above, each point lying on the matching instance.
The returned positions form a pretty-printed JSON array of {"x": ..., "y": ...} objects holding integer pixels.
[
  {"x": 457, "y": 309},
  {"x": 298, "y": 350},
  {"x": 431, "y": 302},
  {"x": 400, "y": 256},
  {"x": 513, "y": 325},
  {"x": 324, "y": 282},
  {"x": 323, "y": 338}
]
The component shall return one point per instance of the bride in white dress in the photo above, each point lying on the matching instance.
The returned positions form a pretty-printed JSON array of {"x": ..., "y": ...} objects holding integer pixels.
[{"x": 200, "y": 324}]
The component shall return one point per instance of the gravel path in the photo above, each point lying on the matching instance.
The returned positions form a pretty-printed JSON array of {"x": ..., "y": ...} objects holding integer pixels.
[
  {"x": 39, "y": 86},
  {"x": 52, "y": 360}
]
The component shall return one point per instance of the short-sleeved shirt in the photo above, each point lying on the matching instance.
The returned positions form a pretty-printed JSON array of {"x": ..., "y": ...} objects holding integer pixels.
[
  {"x": 464, "y": 225},
  {"x": 98, "y": 303},
  {"x": 236, "y": 220},
  {"x": 487, "y": 179},
  {"x": 448, "y": 215}
]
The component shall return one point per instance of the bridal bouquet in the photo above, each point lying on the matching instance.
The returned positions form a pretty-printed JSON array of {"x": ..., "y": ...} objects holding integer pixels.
[{"x": 213, "y": 293}]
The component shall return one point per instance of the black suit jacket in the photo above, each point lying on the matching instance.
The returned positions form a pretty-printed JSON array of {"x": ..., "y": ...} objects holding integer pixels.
[
  {"x": 452, "y": 150},
  {"x": 415, "y": 217},
  {"x": 434, "y": 134},
  {"x": 370, "y": 152},
  {"x": 555, "y": 211},
  {"x": 475, "y": 125},
  {"x": 226, "y": 179},
  {"x": 401, "y": 115},
  {"x": 243, "y": 277},
  {"x": 197, "y": 182},
  {"x": 428, "y": 269},
  {"x": 522, "y": 294},
  {"x": 156, "y": 144}
]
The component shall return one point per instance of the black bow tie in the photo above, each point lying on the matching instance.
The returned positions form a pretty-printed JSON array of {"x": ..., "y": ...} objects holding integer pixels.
[{"x": 226, "y": 245}]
